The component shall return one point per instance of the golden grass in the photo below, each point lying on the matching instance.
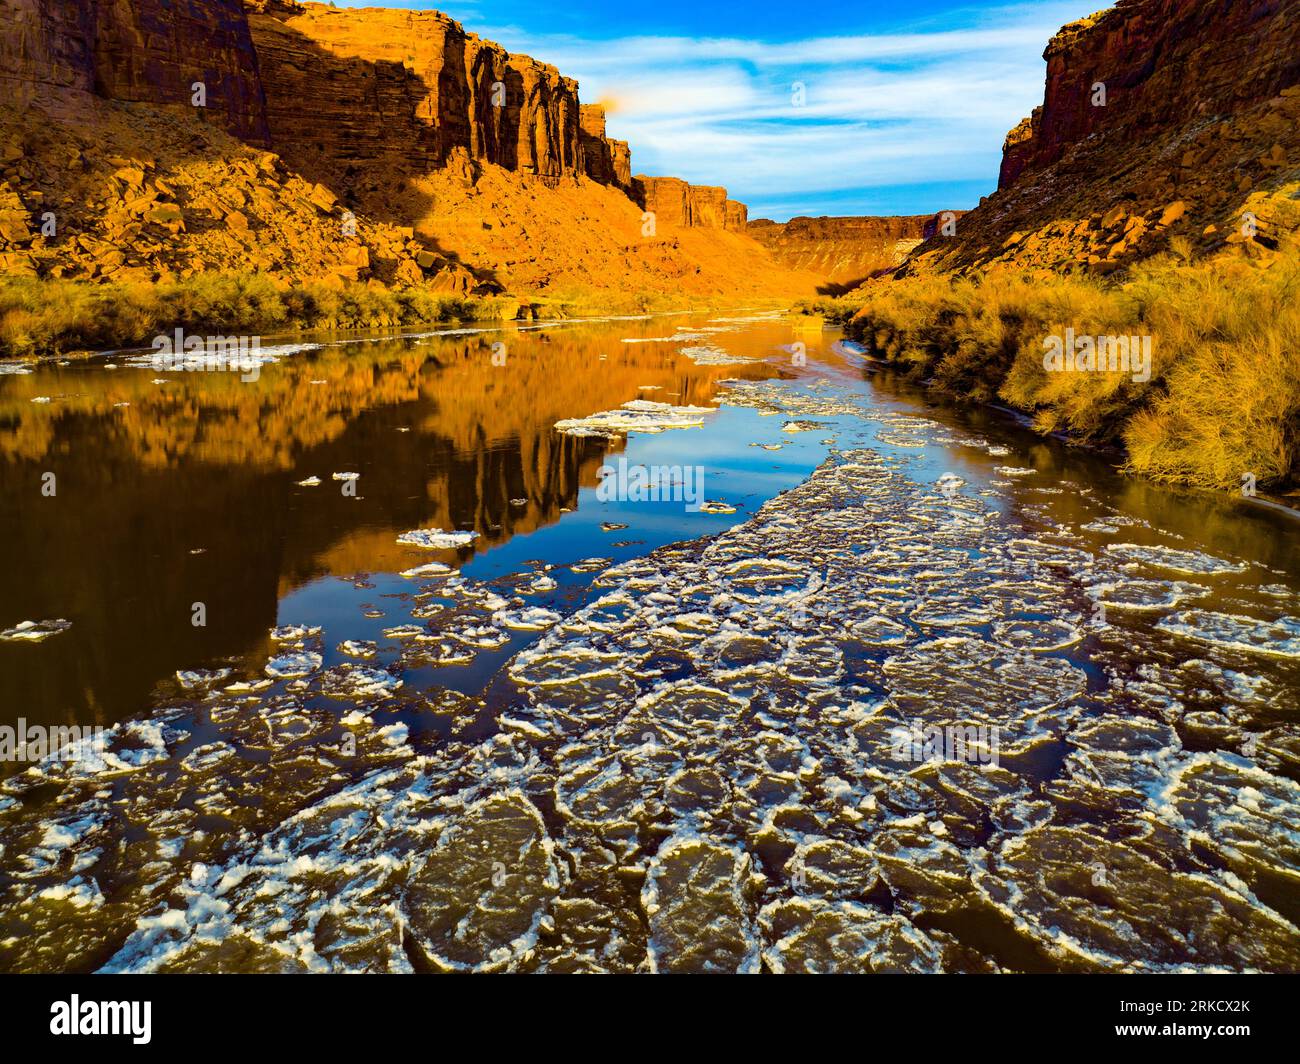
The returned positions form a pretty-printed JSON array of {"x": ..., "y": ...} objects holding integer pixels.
[
  {"x": 1223, "y": 399},
  {"x": 39, "y": 317}
]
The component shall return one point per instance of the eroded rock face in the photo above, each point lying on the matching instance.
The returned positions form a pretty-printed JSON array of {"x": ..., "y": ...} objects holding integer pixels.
[
  {"x": 350, "y": 88},
  {"x": 675, "y": 202},
  {"x": 604, "y": 160},
  {"x": 1160, "y": 119},
  {"x": 845, "y": 251},
  {"x": 146, "y": 51},
  {"x": 1161, "y": 62}
]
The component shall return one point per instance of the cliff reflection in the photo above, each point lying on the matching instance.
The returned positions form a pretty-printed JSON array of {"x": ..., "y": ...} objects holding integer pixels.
[{"x": 186, "y": 491}]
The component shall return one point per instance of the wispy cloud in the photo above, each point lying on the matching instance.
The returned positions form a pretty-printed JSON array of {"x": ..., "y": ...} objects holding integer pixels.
[{"x": 923, "y": 110}]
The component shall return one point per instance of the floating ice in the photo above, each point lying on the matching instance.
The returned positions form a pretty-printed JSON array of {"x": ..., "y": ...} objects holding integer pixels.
[
  {"x": 639, "y": 415},
  {"x": 1181, "y": 561},
  {"x": 289, "y": 666},
  {"x": 436, "y": 539},
  {"x": 34, "y": 631},
  {"x": 807, "y": 742},
  {"x": 358, "y": 648},
  {"x": 1280, "y": 638},
  {"x": 429, "y": 569},
  {"x": 193, "y": 679},
  {"x": 527, "y": 618},
  {"x": 294, "y": 633},
  {"x": 713, "y": 506},
  {"x": 358, "y": 681}
]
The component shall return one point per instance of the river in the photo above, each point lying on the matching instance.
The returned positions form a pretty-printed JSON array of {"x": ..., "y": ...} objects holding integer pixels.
[{"x": 914, "y": 689}]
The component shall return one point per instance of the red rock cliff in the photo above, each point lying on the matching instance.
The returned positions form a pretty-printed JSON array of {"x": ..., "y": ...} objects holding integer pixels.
[
  {"x": 845, "y": 251},
  {"x": 1162, "y": 63},
  {"x": 676, "y": 202},
  {"x": 1161, "y": 120},
  {"x": 146, "y": 51},
  {"x": 355, "y": 88}
]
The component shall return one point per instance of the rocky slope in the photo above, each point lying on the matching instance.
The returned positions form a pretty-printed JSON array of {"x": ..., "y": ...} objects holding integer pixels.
[
  {"x": 843, "y": 252},
  {"x": 403, "y": 150},
  {"x": 1160, "y": 119}
]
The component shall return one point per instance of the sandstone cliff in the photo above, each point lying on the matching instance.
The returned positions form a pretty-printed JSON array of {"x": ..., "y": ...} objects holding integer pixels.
[
  {"x": 677, "y": 203},
  {"x": 405, "y": 150},
  {"x": 354, "y": 89},
  {"x": 844, "y": 252},
  {"x": 606, "y": 161},
  {"x": 1160, "y": 119},
  {"x": 147, "y": 51}
]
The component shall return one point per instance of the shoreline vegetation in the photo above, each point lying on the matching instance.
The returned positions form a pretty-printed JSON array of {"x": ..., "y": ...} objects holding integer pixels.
[
  {"x": 1221, "y": 409},
  {"x": 45, "y": 317}
]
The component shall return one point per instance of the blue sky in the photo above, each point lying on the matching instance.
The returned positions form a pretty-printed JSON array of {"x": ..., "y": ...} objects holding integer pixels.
[{"x": 903, "y": 107}]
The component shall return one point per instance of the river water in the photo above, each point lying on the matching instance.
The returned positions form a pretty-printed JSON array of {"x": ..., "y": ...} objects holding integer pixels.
[{"x": 914, "y": 690}]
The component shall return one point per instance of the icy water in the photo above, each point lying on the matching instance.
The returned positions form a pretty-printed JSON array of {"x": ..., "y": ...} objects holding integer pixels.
[{"x": 914, "y": 690}]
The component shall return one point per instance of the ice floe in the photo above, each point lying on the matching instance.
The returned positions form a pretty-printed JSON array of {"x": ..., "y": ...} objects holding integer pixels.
[
  {"x": 436, "y": 539},
  {"x": 34, "y": 631}
]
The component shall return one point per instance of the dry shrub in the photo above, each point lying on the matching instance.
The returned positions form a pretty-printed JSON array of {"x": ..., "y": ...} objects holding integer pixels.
[
  {"x": 1224, "y": 395},
  {"x": 39, "y": 317}
]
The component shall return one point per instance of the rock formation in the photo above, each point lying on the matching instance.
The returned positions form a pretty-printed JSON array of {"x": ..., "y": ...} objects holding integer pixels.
[
  {"x": 349, "y": 89},
  {"x": 1160, "y": 119},
  {"x": 606, "y": 161},
  {"x": 675, "y": 202},
  {"x": 404, "y": 150},
  {"x": 145, "y": 51},
  {"x": 845, "y": 251},
  {"x": 1145, "y": 66}
]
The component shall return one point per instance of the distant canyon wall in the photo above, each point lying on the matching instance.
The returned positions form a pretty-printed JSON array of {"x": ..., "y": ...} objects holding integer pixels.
[
  {"x": 676, "y": 202},
  {"x": 845, "y": 250}
]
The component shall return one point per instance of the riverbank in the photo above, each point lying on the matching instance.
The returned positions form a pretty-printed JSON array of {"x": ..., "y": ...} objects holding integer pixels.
[
  {"x": 1215, "y": 403},
  {"x": 55, "y": 317}
]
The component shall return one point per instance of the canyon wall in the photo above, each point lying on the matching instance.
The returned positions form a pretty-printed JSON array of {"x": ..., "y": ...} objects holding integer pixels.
[
  {"x": 606, "y": 161},
  {"x": 354, "y": 89},
  {"x": 1161, "y": 121},
  {"x": 1161, "y": 63},
  {"x": 350, "y": 91},
  {"x": 144, "y": 51},
  {"x": 847, "y": 250},
  {"x": 674, "y": 201},
  {"x": 402, "y": 149},
  {"x": 346, "y": 96}
]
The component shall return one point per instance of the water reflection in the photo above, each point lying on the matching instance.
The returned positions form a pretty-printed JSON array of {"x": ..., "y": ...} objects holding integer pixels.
[{"x": 179, "y": 488}]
